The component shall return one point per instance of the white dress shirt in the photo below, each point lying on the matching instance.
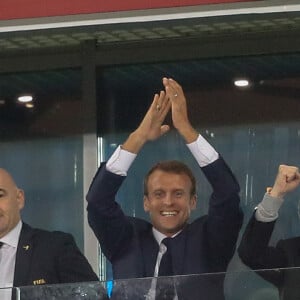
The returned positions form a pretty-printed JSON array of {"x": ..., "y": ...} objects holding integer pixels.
[{"x": 8, "y": 260}]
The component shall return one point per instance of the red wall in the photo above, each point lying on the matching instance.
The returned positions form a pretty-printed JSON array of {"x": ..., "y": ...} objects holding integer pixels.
[{"x": 21, "y": 9}]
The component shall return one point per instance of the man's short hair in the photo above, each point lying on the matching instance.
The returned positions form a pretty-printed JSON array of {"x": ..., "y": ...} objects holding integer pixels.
[{"x": 175, "y": 167}]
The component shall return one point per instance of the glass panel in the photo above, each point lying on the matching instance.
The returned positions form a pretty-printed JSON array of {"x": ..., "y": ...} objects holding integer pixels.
[
  {"x": 246, "y": 285},
  {"x": 54, "y": 187},
  {"x": 74, "y": 291},
  {"x": 42, "y": 146}
]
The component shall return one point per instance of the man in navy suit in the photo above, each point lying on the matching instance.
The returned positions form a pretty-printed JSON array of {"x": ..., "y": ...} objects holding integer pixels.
[
  {"x": 31, "y": 256},
  {"x": 134, "y": 246}
]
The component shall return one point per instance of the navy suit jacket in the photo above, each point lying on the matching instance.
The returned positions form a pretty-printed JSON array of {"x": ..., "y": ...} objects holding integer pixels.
[
  {"x": 45, "y": 257},
  {"x": 254, "y": 250},
  {"x": 206, "y": 245}
]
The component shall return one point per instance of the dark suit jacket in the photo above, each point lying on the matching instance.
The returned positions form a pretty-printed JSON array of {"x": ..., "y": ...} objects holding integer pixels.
[
  {"x": 254, "y": 250},
  {"x": 205, "y": 245},
  {"x": 45, "y": 257}
]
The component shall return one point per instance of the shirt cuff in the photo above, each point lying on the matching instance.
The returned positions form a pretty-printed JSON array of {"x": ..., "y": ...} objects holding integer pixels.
[
  {"x": 120, "y": 162},
  {"x": 267, "y": 209},
  {"x": 203, "y": 152}
]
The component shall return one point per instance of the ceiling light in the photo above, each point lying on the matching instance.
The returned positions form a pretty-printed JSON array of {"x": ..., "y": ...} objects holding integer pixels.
[
  {"x": 25, "y": 98},
  {"x": 29, "y": 105},
  {"x": 241, "y": 82}
]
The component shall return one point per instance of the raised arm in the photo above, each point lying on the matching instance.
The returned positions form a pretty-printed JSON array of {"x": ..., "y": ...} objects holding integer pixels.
[{"x": 254, "y": 249}]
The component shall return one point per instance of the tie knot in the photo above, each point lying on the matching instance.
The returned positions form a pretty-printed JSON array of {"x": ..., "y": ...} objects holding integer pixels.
[{"x": 167, "y": 242}]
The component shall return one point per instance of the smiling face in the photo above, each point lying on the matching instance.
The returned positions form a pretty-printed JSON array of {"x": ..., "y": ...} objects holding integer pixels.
[
  {"x": 11, "y": 202},
  {"x": 169, "y": 200}
]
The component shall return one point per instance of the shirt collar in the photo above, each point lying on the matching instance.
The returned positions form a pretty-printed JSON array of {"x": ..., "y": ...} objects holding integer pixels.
[
  {"x": 12, "y": 238},
  {"x": 160, "y": 236}
]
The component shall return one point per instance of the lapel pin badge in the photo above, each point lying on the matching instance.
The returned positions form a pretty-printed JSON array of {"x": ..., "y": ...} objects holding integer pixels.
[
  {"x": 39, "y": 281},
  {"x": 26, "y": 247}
]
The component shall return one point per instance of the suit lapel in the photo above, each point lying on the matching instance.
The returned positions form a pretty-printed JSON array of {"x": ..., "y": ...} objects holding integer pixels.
[
  {"x": 149, "y": 252},
  {"x": 23, "y": 256}
]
